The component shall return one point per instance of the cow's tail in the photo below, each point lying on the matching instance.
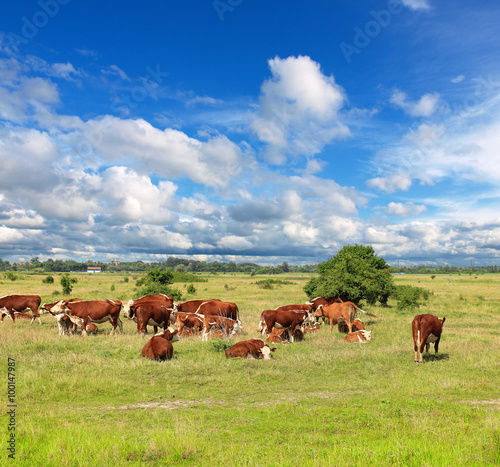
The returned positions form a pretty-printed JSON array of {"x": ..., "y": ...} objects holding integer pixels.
[{"x": 363, "y": 311}]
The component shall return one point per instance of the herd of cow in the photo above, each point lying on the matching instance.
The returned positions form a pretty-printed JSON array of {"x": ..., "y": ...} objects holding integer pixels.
[{"x": 284, "y": 324}]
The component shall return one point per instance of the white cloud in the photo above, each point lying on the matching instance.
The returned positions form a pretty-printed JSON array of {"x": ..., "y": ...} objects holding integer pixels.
[
  {"x": 234, "y": 242},
  {"x": 458, "y": 79},
  {"x": 424, "y": 107},
  {"x": 404, "y": 209},
  {"x": 298, "y": 110},
  {"x": 416, "y": 4},
  {"x": 390, "y": 184}
]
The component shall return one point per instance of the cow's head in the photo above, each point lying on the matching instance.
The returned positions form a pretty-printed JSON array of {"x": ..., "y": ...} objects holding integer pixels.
[
  {"x": 238, "y": 326},
  {"x": 168, "y": 335},
  {"x": 58, "y": 308},
  {"x": 266, "y": 352},
  {"x": 319, "y": 312},
  {"x": 126, "y": 309},
  {"x": 309, "y": 318}
]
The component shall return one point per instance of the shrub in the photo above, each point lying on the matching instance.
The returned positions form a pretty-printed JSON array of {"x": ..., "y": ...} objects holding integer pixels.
[
  {"x": 11, "y": 275},
  {"x": 191, "y": 289},
  {"x": 408, "y": 296},
  {"x": 219, "y": 345},
  {"x": 48, "y": 280},
  {"x": 67, "y": 283}
]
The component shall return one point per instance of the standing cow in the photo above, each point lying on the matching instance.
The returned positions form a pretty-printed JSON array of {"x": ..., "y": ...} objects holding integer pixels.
[
  {"x": 12, "y": 304},
  {"x": 426, "y": 329}
]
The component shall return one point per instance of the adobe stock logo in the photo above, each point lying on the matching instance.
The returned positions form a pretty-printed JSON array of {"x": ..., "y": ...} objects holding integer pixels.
[
  {"x": 363, "y": 37},
  {"x": 31, "y": 26}
]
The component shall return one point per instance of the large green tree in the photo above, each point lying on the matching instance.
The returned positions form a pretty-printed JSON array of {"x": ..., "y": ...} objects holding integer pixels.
[{"x": 355, "y": 273}]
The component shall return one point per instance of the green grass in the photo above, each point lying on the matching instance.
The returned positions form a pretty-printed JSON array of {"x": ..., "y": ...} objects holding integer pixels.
[{"x": 319, "y": 402}]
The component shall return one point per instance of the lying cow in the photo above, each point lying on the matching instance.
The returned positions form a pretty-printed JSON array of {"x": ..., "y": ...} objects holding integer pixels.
[
  {"x": 227, "y": 326},
  {"x": 95, "y": 311},
  {"x": 159, "y": 347},
  {"x": 426, "y": 329},
  {"x": 359, "y": 336},
  {"x": 10, "y": 304},
  {"x": 253, "y": 348},
  {"x": 345, "y": 311},
  {"x": 357, "y": 325},
  {"x": 188, "y": 321},
  {"x": 282, "y": 319}
]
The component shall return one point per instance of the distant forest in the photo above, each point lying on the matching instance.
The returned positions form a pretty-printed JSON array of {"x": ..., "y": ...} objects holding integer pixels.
[{"x": 191, "y": 266}]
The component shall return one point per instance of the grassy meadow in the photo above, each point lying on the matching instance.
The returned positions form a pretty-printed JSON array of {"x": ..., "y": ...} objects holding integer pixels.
[{"x": 95, "y": 401}]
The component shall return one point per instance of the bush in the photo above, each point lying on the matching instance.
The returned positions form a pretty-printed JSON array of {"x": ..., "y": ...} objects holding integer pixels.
[
  {"x": 408, "y": 296},
  {"x": 48, "y": 280},
  {"x": 67, "y": 283},
  {"x": 12, "y": 276},
  {"x": 191, "y": 289},
  {"x": 219, "y": 345},
  {"x": 355, "y": 273}
]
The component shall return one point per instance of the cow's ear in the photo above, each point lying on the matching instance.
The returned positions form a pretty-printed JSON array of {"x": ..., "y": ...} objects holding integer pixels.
[
  {"x": 444, "y": 319},
  {"x": 273, "y": 349}
]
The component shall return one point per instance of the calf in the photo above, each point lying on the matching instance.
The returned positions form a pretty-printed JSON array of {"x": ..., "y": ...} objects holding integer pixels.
[
  {"x": 159, "y": 347},
  {"x": 426, "y": 329},
  {"x": 359, "y": 336},
  {"x": 190, "y": 321},
  {"x": 357, "y": 325},
  {"x": 228, "y": 326},
  {"x": 253, "y": 348},
  {"x": 282, "y": 319}
]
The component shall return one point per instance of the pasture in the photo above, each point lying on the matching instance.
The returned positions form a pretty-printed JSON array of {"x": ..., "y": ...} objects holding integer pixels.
[{"x": 320, "y": 402}]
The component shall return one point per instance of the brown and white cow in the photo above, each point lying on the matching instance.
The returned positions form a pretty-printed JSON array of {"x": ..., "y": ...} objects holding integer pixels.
[
  {"x": 219, "y": 308},
  {"x": 160, "y": 347},
  {"x": 426, "y": 329},
  {"x": 345, "y": 311},
  {"x": 12, "y": 304},
  {"x": 359, "y": 336},
  {"x": 319, "y": 301},
  {"x": 153, "y": 313},
  {"x": 163, "y": 299},
  {"x": 283, "y": 319},
  {"x": 252, "y": 348},
  {"x": 190, "y": 306},
  {"x": 299, "y": 307},
  {"x": 64, "y": 324},
  {"x": 228, "y": 326},
  {"x": 94, "y": 311},
  {"x": 357, "y": 325},
  {"x": 192, "y": 321}
]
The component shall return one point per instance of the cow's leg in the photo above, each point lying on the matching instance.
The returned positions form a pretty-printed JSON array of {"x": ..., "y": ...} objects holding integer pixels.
[
  {"x": 292, "y": 332},
  {"x": 84, "y": 326},
  {"x": 436, "y": 347},
  {"x": 427, "y": 347}
]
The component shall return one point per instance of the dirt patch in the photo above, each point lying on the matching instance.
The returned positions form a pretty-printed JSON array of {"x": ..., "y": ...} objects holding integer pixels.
[{"x": 493, "y": 403}]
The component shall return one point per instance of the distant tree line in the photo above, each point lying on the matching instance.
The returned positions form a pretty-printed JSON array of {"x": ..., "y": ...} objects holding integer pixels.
[
  {"x": 423, "y": 269},
  {"x": 179, "y": 265}
]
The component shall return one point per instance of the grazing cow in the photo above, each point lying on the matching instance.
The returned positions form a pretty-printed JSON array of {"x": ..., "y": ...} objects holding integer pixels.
[
  {"x": 357, "y": 325},
  {"x": 63, "y": 322},
  {"x": 359, "y": 336},
  {"x": 163, "y": 299},
  {"x": 159, "y": 347},
  {"x": 345, "y": 311},
  {"x": 318, "y": 301},
  {"x": 95, "y": 311},
  {"x": 426, "y": 329},
  {"x": 283, "y": 319},
  {"x": 191, "y": 306},
  {"x": 218, "y": 308},
  {"x": 301, "y": 307},
  {"x": 10, "y": 304},
  {"x": 154, "y": 313},
  {"x": 192, "y": 321},
  {"x": 253, "y": 348},
  {"x": 228, "y": 326}
]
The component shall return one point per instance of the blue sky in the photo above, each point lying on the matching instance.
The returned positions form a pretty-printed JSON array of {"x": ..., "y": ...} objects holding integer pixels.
[{"x": 250, "y": 131}]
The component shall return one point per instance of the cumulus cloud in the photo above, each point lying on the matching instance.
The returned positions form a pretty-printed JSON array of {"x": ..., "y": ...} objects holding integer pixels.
[
  {"x": 404, "y": 209},
  {"x": 299, "y": 109},
  {"x": 391, "y": 183},
  {"x": 424, "y": 107}
]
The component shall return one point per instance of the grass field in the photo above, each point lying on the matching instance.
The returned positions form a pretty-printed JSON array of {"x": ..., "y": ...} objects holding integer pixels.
[{"x": 95, "y": 401}]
